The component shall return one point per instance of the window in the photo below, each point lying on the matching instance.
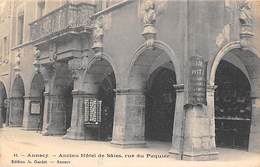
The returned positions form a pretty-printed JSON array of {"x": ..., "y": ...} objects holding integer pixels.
[
  {"x": 103, "y": 4},
  {"x": 20, "y": 28},
  {"x": 107, "y": 3},
  {"x": 1, "y": 53},
  {"x": 99, "y": 5},
  {"x": 41, "y": 8},
  {"x": 5, "y": 47}
]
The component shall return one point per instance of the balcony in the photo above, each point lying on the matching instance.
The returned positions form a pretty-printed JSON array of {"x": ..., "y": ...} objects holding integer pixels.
[{"x": 67, "y": 18}]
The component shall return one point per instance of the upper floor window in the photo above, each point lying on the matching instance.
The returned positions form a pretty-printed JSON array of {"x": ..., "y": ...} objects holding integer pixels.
[
  {"x": 5, "y": 46},
  {"x": 103, "y": 4},
  {"x": 20, "y": 28},
  {"x": 40, "y": 8},
  {"x": 1, "y": 54},
  {"x": 107, "y": 3},
  {"x": 4, "y": 49}
]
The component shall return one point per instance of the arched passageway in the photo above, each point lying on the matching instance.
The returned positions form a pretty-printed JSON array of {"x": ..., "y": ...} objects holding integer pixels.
[
  {"x": 17, "y": 102},
  {"x": 160, "y": 105},
  {"x": 3, "y": 107},
  {"x": 151, "y": 80},
  {"x": 58, "y": 100},
  {"x": 233, "y": 106},
  {"x": 62, "y": 99},
  {"x": 34, "y": 118},
  {"x": 237, "y": 72},
  {"x": 99, "y": 84}
]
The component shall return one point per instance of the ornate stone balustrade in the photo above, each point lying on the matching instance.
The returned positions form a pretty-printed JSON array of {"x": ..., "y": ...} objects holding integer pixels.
[{"x": 69, "y": 17}]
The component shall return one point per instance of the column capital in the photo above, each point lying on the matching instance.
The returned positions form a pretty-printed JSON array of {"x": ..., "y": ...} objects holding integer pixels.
[
  {"x": 255, "y": 97},
  {"x": 47, "y": 71},
  {"x": 129, "y": 91},
  {"x": 81, "y": 93},
  {"x": 12, "y": 97},
  {"x": 179, "y": 88},
  {"x": 211, "y": 89},
  {"x": 31, "y": 97},
  {"x": 77, "y": 65},
  {"x": 46, "y": 93}
]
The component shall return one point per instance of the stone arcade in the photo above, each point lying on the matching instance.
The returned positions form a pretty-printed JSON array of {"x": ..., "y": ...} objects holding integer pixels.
[{"x": 136, "y": 71}]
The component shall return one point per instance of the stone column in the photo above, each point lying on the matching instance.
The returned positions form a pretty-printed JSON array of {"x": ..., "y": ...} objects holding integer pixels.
[
  {"x": 197, "y": 143},
  {"x": 26, "y": 114},
  {"x": 178, "y": 121},
  {"x": 16, "y": 111},
  {"x": 254, "y": 142},
  {"x": 77, "y": 130},
  {"x": 199, "y": 130},
  {"x": 31, "y": 121},
  {"x": 1, "y": 119},
  {"x": 47, "y": 72},
  {"x": 211, "y": 111},
  {"x": 46, "y": 113},
  {"x": 56, "y": 113},
  {"x": 7, "y": 105},
  {"x": 129, "y": 119}
]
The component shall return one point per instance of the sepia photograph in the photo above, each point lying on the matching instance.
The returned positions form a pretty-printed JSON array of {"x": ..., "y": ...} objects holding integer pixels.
[{"x": 129, "y": 83}]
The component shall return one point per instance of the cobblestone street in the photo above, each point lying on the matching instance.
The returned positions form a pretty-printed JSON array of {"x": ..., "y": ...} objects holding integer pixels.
[{"x": 19, "y": 148}]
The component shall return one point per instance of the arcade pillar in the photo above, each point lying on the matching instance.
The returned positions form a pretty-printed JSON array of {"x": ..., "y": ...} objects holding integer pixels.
[{"x": 129, "y": 120}]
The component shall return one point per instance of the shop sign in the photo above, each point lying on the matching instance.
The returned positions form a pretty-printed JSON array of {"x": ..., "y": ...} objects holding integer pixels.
[
  {"x": 197, "y": 89},
  {"x": 92, "y": 109}
]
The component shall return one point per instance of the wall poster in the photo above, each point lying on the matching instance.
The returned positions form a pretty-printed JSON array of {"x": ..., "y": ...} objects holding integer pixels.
[{"x": 35, "y": 107}]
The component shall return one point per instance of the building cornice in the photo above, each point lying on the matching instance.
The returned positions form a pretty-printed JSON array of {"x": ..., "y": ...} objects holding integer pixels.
[{"x": 111, "y": 8}]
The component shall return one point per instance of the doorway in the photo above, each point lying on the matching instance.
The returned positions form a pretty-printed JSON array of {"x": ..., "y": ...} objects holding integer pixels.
[{"x": 233, "y": 107}]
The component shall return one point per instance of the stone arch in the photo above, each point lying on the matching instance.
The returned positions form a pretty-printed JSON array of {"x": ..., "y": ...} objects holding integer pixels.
[
  {"x": 36, "y": 85},
  {"x": 17, "y": 102},
  {"x": 99, "y": 82},
  {"x": 168, "y": 52},
  {"x": 143, "y": 63},
  {"x": 106, "y": 57},
  {"x": 160, "y": 101},
  {"x": 34, "y": 102},
  {"x": 18, "y": 87},
  {"x": 3, "y": 107},
  {"x": 249, "y": 57},
  {"x": 214, "y": 61}
]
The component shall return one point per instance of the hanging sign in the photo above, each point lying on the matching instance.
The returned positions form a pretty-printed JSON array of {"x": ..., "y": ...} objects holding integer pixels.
[
  {"x": 92, "y": 111},
  {"x": 197, "y": 89}
]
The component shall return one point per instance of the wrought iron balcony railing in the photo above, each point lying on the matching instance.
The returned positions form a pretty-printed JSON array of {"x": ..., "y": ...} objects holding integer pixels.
[{"x": 63, "y": 19}]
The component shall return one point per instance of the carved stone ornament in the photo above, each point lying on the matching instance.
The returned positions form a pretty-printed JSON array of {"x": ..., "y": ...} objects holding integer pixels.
[
  {"x": 98, "y": 35},
  {"x": 246, "y": 20},
  {"x": 3, "y": 61},
  {"x": 36, "y": 59},
  {"x": 211, "y": 89},
  {"x": 149, "y": 19},
  {"x": 36, "y": 53},
  {"x": 76, "y": 65},
  {"x": 224, "y": 36},
  {"x": 47, "y": 71},
  {"x": 17, "y": 61},
  {"x": 53, "y": 52}
]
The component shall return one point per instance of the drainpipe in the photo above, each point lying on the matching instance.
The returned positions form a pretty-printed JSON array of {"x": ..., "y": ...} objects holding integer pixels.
[
  {"x": 183, "y": 128},
  {"x": 11, "y": 17}
]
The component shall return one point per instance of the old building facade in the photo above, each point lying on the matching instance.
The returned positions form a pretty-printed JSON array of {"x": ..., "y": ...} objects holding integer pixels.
[{"x": 185, "y": 72}]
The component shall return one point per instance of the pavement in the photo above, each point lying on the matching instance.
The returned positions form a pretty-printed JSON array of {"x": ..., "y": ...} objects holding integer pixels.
[{"x": 19, "y": 148}]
